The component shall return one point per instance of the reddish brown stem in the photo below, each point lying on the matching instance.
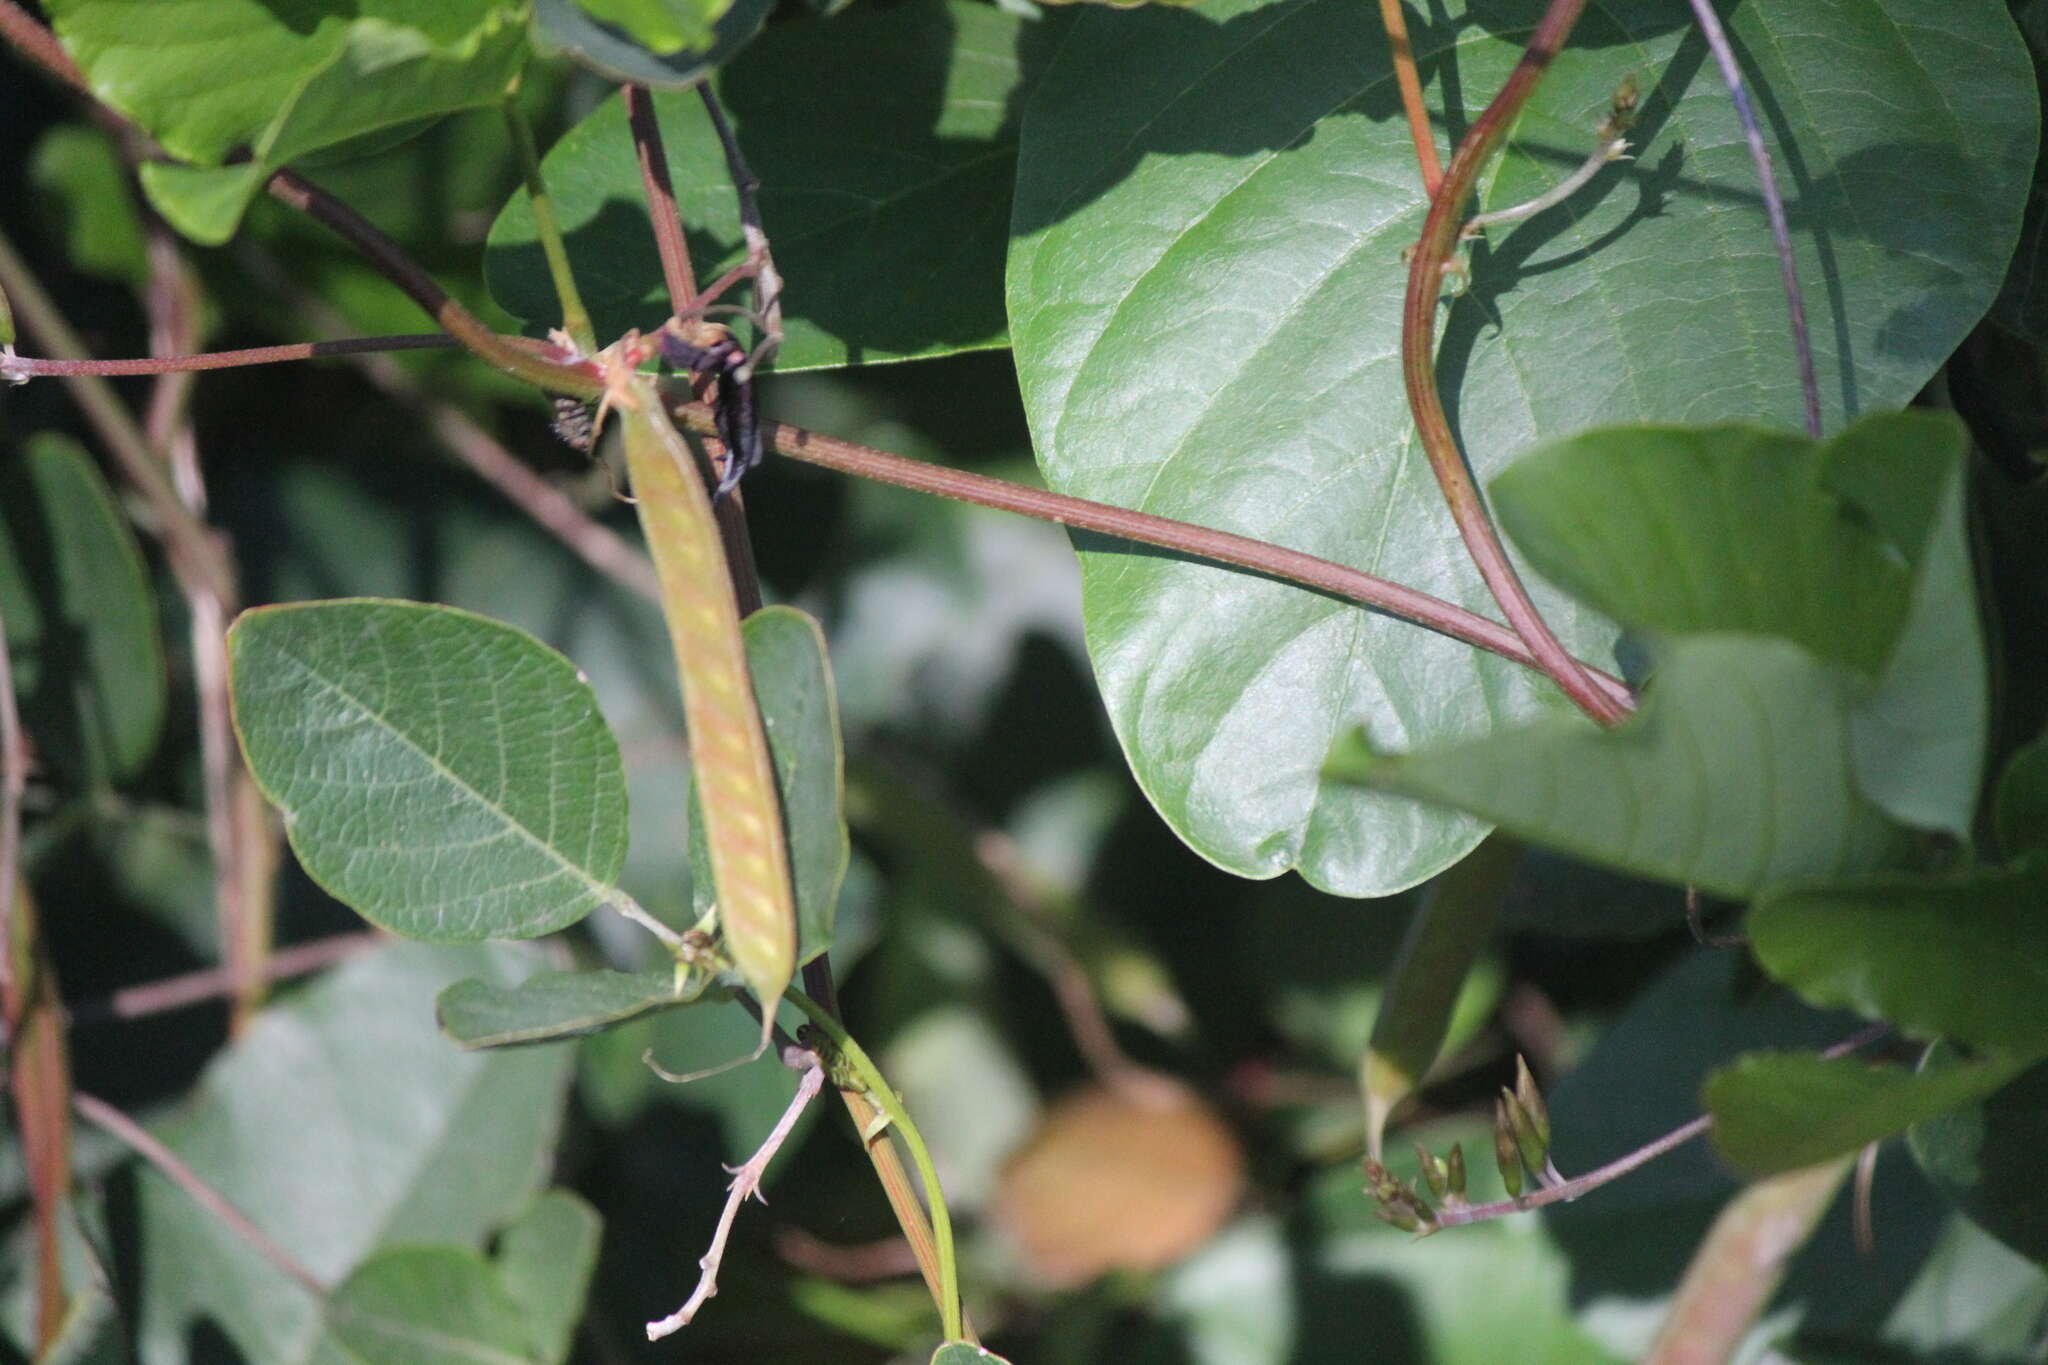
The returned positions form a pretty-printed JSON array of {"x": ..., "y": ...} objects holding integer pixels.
[
  {"x": 29, "y": 367},
  {"x": 1395, "y": 19},
  {"x": 1222, "y": 547},
  {"x": 660, "y": 191},
  {"x": 1418, "y": 368},
  {"x": 138, "y": 1139}
]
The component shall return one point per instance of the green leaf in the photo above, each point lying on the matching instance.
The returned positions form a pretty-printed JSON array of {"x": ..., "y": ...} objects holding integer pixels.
[
  {"x": 207, "y": 78},
  {"x": 962, "y": 1353},
  {"x": 1965, "y": 958},
  {"x": 1206, "y": 282},
  {"x": 891, "y": 229},
  {"x": 545, "y": 1261},
  {"x": 340, "y": 1122},
  {"x": 793, "y": 687},
  {"x": 1733, "y": 777},
  {"x": 1739, "y": 529},
  {"x": 664, "y": 27},
  {"x": 617, "y": 54},
  {"x": 428, "y": 1305},
  {"x": 448, "y": 777},
  {"x": 1779, "y": 1111},
  {"x": 1853, "y": 548},
  {"x": 81, "y": 190},
  {"x": 1987, "y": 1157},
  {"x": 1917, "y": 743},
  {"x": 549, "y": 1006},
  {"x": 2020, "y": 808},
  {"x": 82, "y": 631}
]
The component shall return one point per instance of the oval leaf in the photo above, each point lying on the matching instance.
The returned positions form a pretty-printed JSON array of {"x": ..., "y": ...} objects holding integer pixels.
[
  {"x": 552, "y": 1005},
  {"x": 891, "y": 229},
  {"x": 82, "y": 632},
  {"x": 1965, "y": 959},
  {"x": 1205, "y": 291},
  {"x": 445, "y": 775}
]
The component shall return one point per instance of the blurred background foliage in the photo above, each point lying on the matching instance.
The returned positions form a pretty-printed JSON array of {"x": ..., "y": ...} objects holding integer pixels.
[{"x": 999, "y": 842}]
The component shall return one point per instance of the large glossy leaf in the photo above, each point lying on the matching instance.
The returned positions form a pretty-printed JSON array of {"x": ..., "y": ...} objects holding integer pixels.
[
  {"x": 82, "y": 632},
  {"x": 1205, "y": 293},
  {"x": 1987, "y": 1157},
  {"x": 1733, "y": 777},
  {"x": 885, "y": 143},
  {"x": 552, "y": 1005},
  {"x": 445, "y": 775},
  {"x": 1778, "y": 1111},
  {"x": 207, "y": 78},
  {"x": 2021, "y": 807},
  {"x": 1965, "y": 958},
  {"x": 341, "y": 1122},
  {"x": 793, "y": 688}
]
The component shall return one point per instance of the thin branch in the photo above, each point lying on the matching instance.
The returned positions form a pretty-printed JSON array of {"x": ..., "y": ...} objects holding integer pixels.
[
  {"x": 660, "y": 191},
  {"x": 236, "y": 827},
  {"x": 554, "y": 511},
  {"x": 27, "y": 367},
  {"x": 39, "y": 45},
  {"x": 1774, "y": 206},
  {"x": 1222, "y": 547},
  {"x": 552, "y": 369},
  {"x": 1393, "y": 17},
  {"x": 13, "y": 781},
  {"x": 132, "y": 1134},
  {"x": 1568, "y": 1190},
  {"x": 746, "y": 1180},
  {"x": 212, "y": 983},
  {"x": 1418, "y": 367}
]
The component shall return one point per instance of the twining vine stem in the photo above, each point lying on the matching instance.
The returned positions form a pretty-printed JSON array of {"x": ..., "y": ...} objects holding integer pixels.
[
  {"x": 1774, "y": 206},
  {"x": 1418, "y": 368},
  {"x": 1395, "y": 21}
]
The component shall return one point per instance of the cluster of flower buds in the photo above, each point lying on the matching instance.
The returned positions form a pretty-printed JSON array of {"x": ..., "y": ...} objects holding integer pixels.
[
  {"x": 1521, "y": 1147},
  {"x": 1401, "y": 1204}
]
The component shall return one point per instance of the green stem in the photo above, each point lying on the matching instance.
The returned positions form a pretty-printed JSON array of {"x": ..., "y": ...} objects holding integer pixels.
[
  {"x": 877, "y": 1088},
  {"x": 575, "y": 318}
]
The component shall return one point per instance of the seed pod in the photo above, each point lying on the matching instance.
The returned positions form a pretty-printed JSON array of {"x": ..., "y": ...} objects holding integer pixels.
[
  {"x": 1454, "y": 1169},
  {"x": 728, "y": 747}
]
